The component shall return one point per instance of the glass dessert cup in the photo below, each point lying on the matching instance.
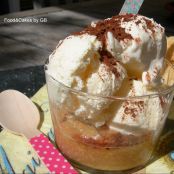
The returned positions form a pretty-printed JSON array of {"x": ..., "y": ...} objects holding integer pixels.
[{"x": 94, "y": 144}]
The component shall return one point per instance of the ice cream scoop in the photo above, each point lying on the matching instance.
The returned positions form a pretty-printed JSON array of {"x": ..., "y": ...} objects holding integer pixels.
[
  {"x": 136, "y": 41},
  {"x": 139, "y": 115},
  {"x": 100, "y": 58}
]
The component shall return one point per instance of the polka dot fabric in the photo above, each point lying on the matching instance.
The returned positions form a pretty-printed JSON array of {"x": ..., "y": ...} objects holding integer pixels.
[{"x": 52, "y": 158}]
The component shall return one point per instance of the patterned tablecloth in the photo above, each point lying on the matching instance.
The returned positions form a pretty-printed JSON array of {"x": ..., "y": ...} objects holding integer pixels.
[{"x": 17, "y": 155}]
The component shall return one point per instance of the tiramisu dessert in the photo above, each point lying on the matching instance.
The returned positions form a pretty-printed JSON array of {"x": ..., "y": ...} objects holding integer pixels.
[{"x": 103, "y": 85}]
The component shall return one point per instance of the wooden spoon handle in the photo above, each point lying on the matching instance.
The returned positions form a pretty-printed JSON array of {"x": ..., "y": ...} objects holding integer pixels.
[{"x": 52, "y": 158}]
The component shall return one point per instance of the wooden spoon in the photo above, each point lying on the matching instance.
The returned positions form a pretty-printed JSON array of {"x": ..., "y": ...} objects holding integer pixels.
[{"x": 19, "y": 115}]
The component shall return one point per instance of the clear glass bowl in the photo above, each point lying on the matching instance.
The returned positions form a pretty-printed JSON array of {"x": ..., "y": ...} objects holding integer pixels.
[{"x": 119, "y": 137}]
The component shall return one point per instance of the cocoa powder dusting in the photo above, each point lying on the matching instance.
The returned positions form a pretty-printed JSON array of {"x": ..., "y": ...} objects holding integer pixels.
[
  {"x": 100, "y": 30},
  {"x": 110, "y": 62},
  {"x": 112, "y": 25},
  {"x": 150, "y": 25},
  {"x": 132, "y": 109},
  {"x": 138, "y": 22},
  {"x": 148, "y": 78}
]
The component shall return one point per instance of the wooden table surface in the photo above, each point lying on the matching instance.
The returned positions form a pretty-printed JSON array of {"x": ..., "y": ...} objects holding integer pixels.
[
  {"x": 24, "y": 45},
  {"x": 29, "y": 44}
]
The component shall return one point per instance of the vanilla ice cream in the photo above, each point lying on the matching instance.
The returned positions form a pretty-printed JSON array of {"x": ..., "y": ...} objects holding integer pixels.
[
  {"x": 136, "y": 115},
  {"x": 99, "y": 59}
]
